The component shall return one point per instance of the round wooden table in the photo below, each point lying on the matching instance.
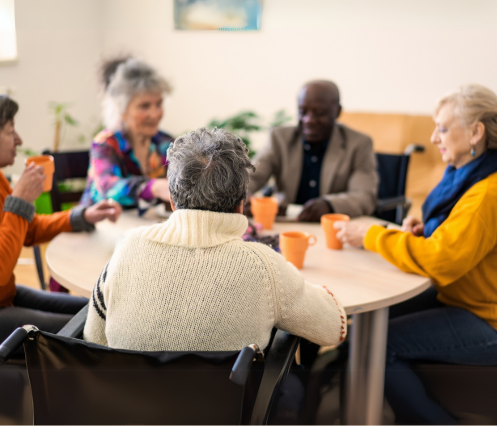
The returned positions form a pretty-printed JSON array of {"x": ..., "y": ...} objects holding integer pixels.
[{"x": 363, "y": 281}]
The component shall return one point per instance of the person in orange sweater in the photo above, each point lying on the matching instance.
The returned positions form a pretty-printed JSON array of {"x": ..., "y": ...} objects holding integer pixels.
[
  {"x": 19, "y": 225},
  {"x": 455, "y": 321}
]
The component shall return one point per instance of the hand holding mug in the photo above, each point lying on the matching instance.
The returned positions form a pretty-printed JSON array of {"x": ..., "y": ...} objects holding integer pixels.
[
  {"x": 30, "y": 185},
  {"x": 327, "y": 223},
  {"x": 351, "y": 233}
]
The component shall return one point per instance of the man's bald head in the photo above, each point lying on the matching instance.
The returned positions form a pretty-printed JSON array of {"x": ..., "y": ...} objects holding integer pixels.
[
  {"x": 323, "y": 88},
  {"x": 319, "y": 107}
]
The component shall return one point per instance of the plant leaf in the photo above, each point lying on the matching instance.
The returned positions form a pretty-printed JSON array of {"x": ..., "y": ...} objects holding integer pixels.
[{"x": 70, "y": 120}]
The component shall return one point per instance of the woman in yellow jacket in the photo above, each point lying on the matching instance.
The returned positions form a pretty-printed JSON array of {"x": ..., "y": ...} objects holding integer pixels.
[{"x": 455, "y": 321}]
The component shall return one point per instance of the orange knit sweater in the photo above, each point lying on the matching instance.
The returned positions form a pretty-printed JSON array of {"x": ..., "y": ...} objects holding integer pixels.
[{"x": 15, "y": 232}]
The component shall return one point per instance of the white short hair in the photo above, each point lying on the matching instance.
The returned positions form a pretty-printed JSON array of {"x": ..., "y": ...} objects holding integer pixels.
[
  {"x": 131, "y": 77},
  {"x": 473, "y": 103}
]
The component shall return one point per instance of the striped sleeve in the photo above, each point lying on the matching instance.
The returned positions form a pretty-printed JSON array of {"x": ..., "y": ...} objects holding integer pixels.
[{"x": 97, "y": 313}]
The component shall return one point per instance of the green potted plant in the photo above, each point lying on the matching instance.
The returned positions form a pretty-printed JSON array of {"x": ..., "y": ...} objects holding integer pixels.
[{"x": 244, "y": 123}]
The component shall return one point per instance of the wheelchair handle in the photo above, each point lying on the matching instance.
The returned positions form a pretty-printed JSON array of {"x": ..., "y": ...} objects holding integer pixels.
[
  {"x": 14, "y": 341},
  {"x": 413, "y": 147},
  {"x": 241, "y": 367}
]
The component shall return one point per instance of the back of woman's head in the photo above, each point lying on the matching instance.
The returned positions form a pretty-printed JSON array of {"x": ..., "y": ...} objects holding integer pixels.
[
  {"x": 474, "y": 103},
  {"x": 208, "y": 170},
  {"x": 8, "y": 110},
  {"x": 108, "y": 69},
  {"x": 123, "y": 78}
]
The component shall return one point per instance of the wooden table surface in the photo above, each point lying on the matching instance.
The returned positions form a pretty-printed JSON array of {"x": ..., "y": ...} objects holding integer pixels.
[{"x": 362, "y": 280}]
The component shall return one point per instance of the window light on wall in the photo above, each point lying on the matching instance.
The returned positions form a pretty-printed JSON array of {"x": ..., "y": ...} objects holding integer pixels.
[{"x": 8, "y": 43}]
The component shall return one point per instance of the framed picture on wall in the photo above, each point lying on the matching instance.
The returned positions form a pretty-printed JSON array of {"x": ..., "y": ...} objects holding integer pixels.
[{"x": 217, "y": 15}]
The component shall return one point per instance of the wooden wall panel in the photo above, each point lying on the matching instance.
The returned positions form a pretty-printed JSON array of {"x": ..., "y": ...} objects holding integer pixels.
[{"x": 392, "y": 133}]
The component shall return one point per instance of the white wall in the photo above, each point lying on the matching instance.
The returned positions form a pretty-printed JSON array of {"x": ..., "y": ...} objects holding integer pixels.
[
  {"x": 386, "y": 55},
  {"x": 58, "y": 51}
]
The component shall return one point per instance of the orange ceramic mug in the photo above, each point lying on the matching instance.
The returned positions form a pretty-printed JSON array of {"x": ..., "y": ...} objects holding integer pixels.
[
  {"x": 264, "y": 210},
  {"x": 327, "y": 222},
  {"x": 45, "y": 161},
  {"x": 293, "y": 246}
]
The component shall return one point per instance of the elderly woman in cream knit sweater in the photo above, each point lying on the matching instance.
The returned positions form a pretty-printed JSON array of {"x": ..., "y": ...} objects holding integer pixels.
[{"x": 191, "y": 283}]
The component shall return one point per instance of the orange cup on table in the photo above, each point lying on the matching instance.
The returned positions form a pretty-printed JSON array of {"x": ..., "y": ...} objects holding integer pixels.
[
  {"x": 264, "y": 210},
  {"x": 327, "y": 222},
  {"x": 293, "y": 246},
  {"x": 47, "y": 162}
]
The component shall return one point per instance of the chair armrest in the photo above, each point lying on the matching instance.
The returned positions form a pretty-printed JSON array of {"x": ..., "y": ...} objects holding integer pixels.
[
  {"x": 243, "y": 363},
  {"x": 14, "y": 341},
  {"x": 74, "y": 328},
  {"x": 277, "y": 365},
  {"x": 390, "y": 203}
]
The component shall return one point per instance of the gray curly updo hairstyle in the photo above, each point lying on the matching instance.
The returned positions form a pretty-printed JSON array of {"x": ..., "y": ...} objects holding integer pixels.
[
  {"x": 123, "y": 79},
  {"x": 208, "y": 170},
  {"x": 474, "y": 103}
]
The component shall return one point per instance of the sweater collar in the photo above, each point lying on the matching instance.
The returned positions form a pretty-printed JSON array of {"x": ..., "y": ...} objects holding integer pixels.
[{"x": 198, "y": 228}]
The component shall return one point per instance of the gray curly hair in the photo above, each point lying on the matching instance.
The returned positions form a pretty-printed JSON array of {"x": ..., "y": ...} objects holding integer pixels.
[
  {"x": 208, "y": 170},
  {"x": 130, "y": 78}
]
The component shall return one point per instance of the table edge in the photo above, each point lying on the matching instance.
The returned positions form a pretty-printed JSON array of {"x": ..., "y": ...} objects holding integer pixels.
[
  {"x": 385, "y": 303},
  {"x": 61, "y": 280}
]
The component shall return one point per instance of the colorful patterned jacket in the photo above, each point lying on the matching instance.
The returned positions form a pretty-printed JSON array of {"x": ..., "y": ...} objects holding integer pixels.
[{"x": 115, "y": 173}]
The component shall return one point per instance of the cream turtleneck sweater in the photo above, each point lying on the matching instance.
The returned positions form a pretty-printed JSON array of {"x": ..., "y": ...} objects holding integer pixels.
[{"x": 192, "y": 284}]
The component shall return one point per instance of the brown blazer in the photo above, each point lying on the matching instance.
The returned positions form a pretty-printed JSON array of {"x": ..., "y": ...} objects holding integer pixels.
[{"x": 349, "y": 180}]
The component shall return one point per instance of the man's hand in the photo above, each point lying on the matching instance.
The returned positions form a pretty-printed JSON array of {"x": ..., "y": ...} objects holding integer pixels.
[
  {"x": 413, "y": 225},
  {"x": 313, "y": 210},
  {"x": 351, "y": 233},
  {"x": 160, "y": 189},
  {"x": 106, "y": 209},
  {"x": 30, "y": 185}
]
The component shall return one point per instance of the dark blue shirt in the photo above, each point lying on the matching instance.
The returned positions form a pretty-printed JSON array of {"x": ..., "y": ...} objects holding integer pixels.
[{"x": 311, "y": 171}]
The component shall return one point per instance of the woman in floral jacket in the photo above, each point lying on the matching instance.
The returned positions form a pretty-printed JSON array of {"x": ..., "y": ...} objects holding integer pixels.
[{"x": 128, "y": 159}]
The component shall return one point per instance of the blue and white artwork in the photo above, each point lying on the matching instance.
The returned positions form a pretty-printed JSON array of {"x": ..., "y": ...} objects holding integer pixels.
[{"x": 219, "y": 15}]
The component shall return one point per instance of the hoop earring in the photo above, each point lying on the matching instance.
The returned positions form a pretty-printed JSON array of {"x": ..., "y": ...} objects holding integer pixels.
[{"x": 472, "y": 150}]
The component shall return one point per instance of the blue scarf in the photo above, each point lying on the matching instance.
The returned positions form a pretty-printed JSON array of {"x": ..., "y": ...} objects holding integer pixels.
[{"x": 453, "y": 186}]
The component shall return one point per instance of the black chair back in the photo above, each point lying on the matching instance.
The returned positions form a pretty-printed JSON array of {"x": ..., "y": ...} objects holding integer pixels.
[
  {"x": 76, "y": 382},
  {"x": 392, "y": 170},
  {"x": 68, "y": 165},
  {"x": 392, "y": 203}
]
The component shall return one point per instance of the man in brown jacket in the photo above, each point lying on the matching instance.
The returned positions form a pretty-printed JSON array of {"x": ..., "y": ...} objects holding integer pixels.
[{"x": 324, "y": 165}]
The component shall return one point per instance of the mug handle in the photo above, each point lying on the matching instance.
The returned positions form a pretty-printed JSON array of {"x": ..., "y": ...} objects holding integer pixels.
[{"x": 314, "y": 241}]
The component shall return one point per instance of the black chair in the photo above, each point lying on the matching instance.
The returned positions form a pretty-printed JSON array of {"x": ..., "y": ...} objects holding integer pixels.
[
  {"x": 68, "y": 165},
  {"x": 392, "y": 204},
  {"x": 466, "y": 392},
  {"x": 15, "y": 393},
  {"x": 76, "y": 382}
]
